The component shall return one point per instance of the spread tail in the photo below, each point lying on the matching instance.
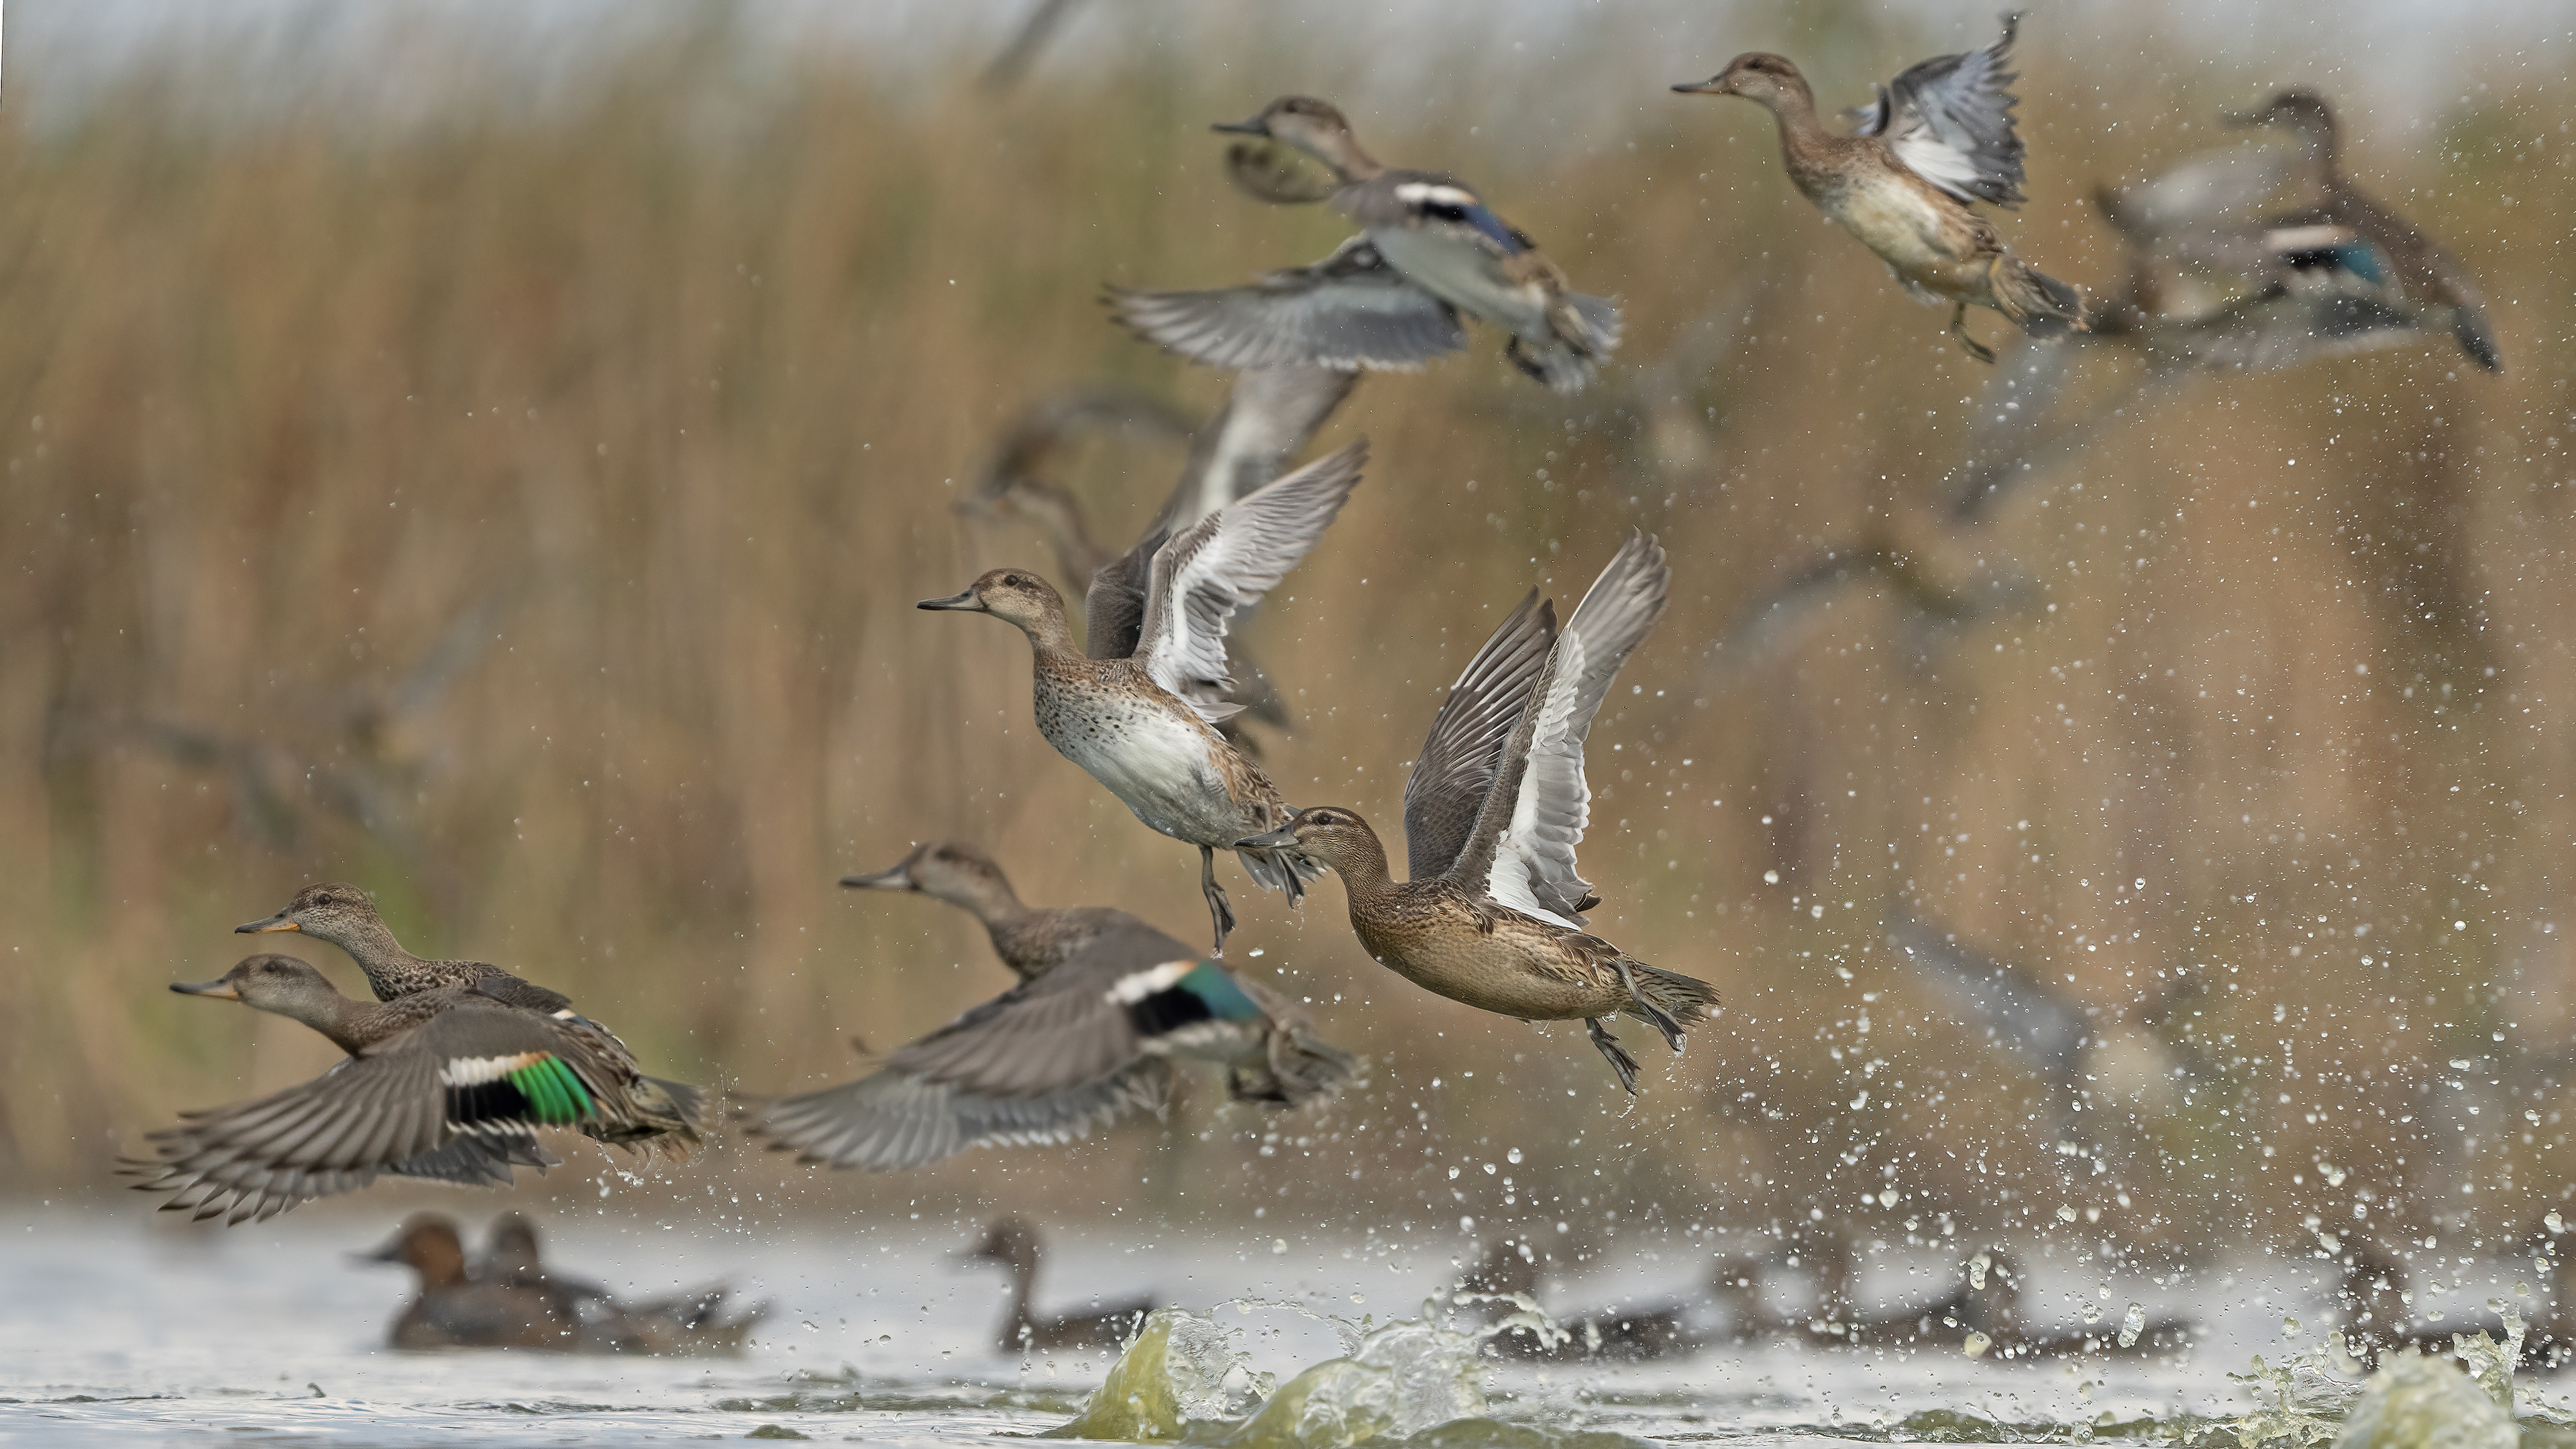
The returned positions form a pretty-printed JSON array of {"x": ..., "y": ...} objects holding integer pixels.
[
  {"x": 2043, "y": 305},
  {"x": 1284, "y": 871},
  {"x": 1686, "y": 999},
  {"x": 1553, "y": 362},
  {"x": 665, "y": 1118}
]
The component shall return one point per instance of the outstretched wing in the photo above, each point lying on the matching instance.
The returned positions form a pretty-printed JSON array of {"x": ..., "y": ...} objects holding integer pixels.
[
  {"x": 1043, "y": 1062},
  {"x": 1949, "y": 119},
  {"x": 1350, "y": 310},
  {"x": 1227, "y": 560},
  {"x": 1523, "y": 846},
  {"x": 1455, "y": 770}
]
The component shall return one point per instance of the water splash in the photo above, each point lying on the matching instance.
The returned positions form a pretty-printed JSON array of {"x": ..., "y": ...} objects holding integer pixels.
[
  {"x": 2415, "y": 1402},
  {"x": 1183, "y": 1376}
]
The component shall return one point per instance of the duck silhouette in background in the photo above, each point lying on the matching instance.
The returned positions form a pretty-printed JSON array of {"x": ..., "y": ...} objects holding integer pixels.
[{"x": 1014, "y": 1244}]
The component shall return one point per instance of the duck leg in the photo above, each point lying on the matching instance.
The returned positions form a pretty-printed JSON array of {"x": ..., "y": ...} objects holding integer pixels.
[
  {"x": 1959, "y": 329},
  {"x": 1219, "y": 909},
  {"x": 1654, "y": 1016},
  {"x": 1617, "y": 1055}
]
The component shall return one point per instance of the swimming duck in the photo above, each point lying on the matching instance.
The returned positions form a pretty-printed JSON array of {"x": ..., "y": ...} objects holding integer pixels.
[
  {"x": 451, "y": 1310},
  {"x": 423, "y": 1072},
  {"x": 2409, "y": 263},
  {"x": 1939, "y": 138},
  {"x": 1625, "y": 1334},
  {"x": 1012, "y": 1243},
  {"x": 1389, "y": 298},
  {"x": 1106, "y": 1002},
  {"x": 2374, "y": 1308},
  {"x": 1992, "y": 1306},
  {"x": 1144, "y": 724},
  {"x": 1492, "y": 915},
  {"x": 693, "y": 1322}
]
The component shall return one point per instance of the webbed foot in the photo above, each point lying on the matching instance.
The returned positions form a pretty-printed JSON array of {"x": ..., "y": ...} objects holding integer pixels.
[{"x": 1617, "y": 1055}]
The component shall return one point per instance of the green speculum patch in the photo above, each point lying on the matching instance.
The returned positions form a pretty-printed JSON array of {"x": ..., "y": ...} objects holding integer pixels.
[{"x": 554, "y": 1091}]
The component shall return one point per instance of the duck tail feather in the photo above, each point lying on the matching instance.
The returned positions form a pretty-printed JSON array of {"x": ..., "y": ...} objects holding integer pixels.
[
  {"x": 1686, "y": 998},
  {"x": 2043, "y": 305}
]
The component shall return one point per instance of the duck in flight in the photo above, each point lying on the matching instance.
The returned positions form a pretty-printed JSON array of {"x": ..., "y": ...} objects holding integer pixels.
[
  {"x": 1144, "y": 723},
  {"x": 1429, "y": 250},
  {"x": 445, "y": 1082},
  {"x": 1938, "y": 139},
  {"x": 1105, "y": 1003},
  {"x": 1492, "y": 914}
]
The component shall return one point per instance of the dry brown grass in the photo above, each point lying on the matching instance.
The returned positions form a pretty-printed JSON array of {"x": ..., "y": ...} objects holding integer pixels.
[{"x": 667, "y": 393}]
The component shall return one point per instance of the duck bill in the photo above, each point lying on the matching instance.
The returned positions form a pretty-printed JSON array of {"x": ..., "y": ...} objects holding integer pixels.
[
  {"x": 1253, "y": 127},
  {"x": 966, "y": 601},
  {"x": 219, "y": 989},
  {"x": 390, "y": 1253},
  {"x": 897, "y": 879},
  {"x": 1282, "y": 839},
  {"x": 278, "y": 922},
  {"x": 1710, "y": 87}
]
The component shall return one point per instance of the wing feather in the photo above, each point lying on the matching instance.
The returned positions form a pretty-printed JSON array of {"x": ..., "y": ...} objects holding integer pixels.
[
  {"x": 1522, "y": 851},
  {"x": 1456, "y": 768},
  {"x": 1949, "y": 119},
  {"x": 1228, "y": 560},
  {"x": 1350, "y": 310}
]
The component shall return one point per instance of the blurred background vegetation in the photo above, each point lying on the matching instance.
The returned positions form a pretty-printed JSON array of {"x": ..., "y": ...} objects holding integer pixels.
[{"x": 518, "y": 510}]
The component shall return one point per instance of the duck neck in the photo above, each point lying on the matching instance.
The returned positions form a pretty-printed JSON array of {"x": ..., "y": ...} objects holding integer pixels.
[
  {"x": 373, "y": 947},
  {"x": 1803, "y": 137},
  {"x": 1341, "y": 151},
  {"x": 349, "y": 1024},
  {"x": 1023, "y": 1264},
  {"x": 1360, "y": 860},
  {"x": 1050, "y": 637},
  {"x": 440, "y": 1263},
  {"x": 993, "y": 902}
]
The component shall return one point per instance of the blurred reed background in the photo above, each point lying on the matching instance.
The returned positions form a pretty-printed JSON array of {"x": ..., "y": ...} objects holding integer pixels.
[{"x": 520, "y": 513}]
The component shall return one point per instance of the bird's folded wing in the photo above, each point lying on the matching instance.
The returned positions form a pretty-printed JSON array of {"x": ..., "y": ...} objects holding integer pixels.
[
  {"x": 1950, "y": 120},
  {"x": 1456, "y": 767},
  {"x": 1350, "y": 310},
  {"x": 1228, "y": 560}
]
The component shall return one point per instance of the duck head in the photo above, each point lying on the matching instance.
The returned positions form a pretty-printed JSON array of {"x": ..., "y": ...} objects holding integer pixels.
[
  {"x": 511, "y": 1252},
  {"x": 272, "y": 983},
  {"x": 333, "y": 911},
  {"x": 2298, "y": 111},
  {"x": 943, "y": 870},
  {"x": 1315, "y": 127},
  {"x": 428, "y": 1244},
  {"x": 1758, "y": 76},
  {"x": 1337, "y": 837},
  {"x": 1016, "y": 595}
]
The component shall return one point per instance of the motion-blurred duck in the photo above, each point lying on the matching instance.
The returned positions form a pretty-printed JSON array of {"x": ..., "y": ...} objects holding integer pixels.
[
  {"x": 1105, "y": 1003},
  {"x": 1430, "y": 249},
  {"x": 445, "y": 1083},
  {"x": 2374, "y": 1307},
  {"x": 1144, "y": 725},
  {"x": 1012, "y": 1243},
  {"x": 2334, "y": 272},
  {"x": 1497, "y": 802},
  {"x": 1939, "y": 138}
]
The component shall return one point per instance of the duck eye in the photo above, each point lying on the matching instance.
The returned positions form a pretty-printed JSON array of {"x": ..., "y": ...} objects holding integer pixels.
[{"x": 323, "y": 900}]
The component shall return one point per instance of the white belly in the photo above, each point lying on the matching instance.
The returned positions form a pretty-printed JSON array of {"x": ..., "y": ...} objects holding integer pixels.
[
  {"x": 1465, "y": 276},
  {"x": 1156, "y": 764},
  {"x": 1905, "y": 227}
]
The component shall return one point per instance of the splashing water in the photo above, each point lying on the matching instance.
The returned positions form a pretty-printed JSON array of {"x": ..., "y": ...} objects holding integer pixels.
[
  {"x": 2415, "y": 1402},
  {"x": 1182, "y": 1375}
]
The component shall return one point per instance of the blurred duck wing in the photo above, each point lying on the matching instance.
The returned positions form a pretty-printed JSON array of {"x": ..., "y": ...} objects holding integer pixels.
[{"x": 1350, "y": 310}]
